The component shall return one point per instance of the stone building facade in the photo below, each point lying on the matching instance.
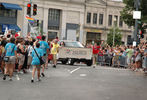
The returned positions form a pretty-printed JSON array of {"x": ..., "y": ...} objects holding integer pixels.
[
  {"x": 103, "y": 14},
  {"x": 81, "y": 20}
]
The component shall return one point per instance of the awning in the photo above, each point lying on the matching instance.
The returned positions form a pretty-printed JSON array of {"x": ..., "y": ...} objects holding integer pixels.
[
  {"x": 11, "y": 6},
  {"x": 10, "y": 27},
  {"x": 14, "y": 27}
]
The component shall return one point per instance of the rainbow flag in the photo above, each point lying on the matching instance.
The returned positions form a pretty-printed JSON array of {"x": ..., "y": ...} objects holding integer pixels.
[{"x": 31, "y": 20}]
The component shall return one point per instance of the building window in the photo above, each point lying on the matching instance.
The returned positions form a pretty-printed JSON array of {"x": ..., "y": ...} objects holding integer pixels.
[
  {"x": 52, "y": 35},
  {"x": 115, "y": 20},
  {"x": 120, "y": 22},
  {"x": 11, "y": 13},
  {"x": 88, "y": 18},
  {"x": 96, "y": 37},
  {"x": 54, "y": 19},
  {"x": 101, "y": 19},
  {"x": 110, "y": 20},
  {"x": 94, "y": 18}
]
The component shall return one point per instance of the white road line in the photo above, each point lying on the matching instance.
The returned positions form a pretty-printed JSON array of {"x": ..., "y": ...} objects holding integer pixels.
[
  {"x": 83, "y": 75},
  {"x": 17, "y": 77},
  {"x": 75, "y": 70}
]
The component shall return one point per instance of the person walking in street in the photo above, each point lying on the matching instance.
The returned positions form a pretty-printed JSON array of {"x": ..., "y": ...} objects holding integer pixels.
[
  {"x": 54, "y": 52},
  {"x": 36, "y": 54},
  {"x": 95, "y": 54},
  {"x": 45, "y": 48},
  {"x": 21, "y": 55},
  {"x": 29, "y": 50},
  {"x": 11, "y": 55}
]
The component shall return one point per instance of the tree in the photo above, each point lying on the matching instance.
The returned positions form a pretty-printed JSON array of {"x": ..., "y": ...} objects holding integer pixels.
[
  {"x": 127, "y": 14},
  {"x": 117, "y": 39}
]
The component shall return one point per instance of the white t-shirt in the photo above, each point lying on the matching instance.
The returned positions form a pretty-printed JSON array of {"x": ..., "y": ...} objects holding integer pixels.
[{"x": 30, "y": 49}]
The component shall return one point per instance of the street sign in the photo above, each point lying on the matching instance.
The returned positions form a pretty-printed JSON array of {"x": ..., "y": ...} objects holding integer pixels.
[
  {"x": 134, "y": 43},
  {"x": 136, "y": 14}
]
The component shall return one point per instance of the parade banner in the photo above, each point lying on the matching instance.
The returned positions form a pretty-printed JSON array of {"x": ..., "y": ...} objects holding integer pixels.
[{"x": 80, "y": 53}]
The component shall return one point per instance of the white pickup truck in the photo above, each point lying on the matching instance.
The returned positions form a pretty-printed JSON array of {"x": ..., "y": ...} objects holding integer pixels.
[{"x": 74, "y": 51}]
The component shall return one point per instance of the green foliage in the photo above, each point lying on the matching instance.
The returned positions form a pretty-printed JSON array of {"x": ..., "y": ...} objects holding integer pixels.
[
  {"x": 127, "y": 13},
  {"x": 118, "y": 36}
]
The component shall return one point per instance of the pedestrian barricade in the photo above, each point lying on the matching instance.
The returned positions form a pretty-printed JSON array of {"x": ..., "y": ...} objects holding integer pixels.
[
  {"x": 105, "y": 60},
  {"x": 115, "y": 61},
  {"x": 123, "y": 61},
  {"x": 144, "y": 64}
]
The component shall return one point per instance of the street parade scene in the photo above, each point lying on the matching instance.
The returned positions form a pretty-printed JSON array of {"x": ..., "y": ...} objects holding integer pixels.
[{"x": 73, "y": 49}]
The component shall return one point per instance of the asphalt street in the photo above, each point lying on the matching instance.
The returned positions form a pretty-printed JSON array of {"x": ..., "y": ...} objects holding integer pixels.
[{"x": 77, "y": 82}]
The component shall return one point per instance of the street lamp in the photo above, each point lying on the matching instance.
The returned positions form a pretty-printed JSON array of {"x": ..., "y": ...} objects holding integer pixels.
[{"x": 115, "y": 24}]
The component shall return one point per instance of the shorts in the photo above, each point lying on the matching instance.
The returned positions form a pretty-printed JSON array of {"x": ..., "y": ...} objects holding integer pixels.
[
  {"x": 128, "y": 60},
  {"x": 12, "y": 60},
  {"x": 29, "y": 60},
  {"x": 44, "y": 58},
  {"x": 21, "y": 59},
  {"x": 54, "y": 56},
  {"x": 95, "y": 55},
  {"x": 37, "y": 66}
]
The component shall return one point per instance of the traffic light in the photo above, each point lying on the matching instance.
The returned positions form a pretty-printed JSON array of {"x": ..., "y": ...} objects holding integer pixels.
[
  {"x": 35, "y": 9},
  {"x": 142, "y": 33},
  {"x": 29, "y": 9}
]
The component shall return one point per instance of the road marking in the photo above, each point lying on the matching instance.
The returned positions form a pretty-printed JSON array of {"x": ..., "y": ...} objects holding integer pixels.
[
  {"x": 17, "y": 77},
  {"x": 83, "y": 75},
  {"x": 75, "y": 70}
]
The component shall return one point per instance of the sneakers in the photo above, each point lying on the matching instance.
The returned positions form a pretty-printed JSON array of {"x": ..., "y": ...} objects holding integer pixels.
[
  {"x": 42, "y": 74},
  {"x": 38, "y": 80},
  {"x": 10, "y": 79},
  {"x": 32, "y": 81},
  {"x": 4, "y": 78},
  {"x": 94, "y": 66},
  {"x": 54, "y": 66}
]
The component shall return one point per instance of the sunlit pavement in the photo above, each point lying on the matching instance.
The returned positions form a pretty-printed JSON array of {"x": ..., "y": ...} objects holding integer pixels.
[{"x": 77, "y": 82}]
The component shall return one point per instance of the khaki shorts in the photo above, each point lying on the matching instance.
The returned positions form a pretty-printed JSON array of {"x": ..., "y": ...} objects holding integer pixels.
[
  {"x": 95, "y": 56},
  {"x": 44, "y": 58},
  {"x": 37, "y": 66},
  {"x": 12, "y": 60},
  {"x": 54, "y": 56},
  {"x": 29, "y": 60},
  {"x": 21, "y": 59}
]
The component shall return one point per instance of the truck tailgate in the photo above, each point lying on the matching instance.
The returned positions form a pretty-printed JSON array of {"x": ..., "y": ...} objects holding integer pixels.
[{"x": 79, "y": 53}]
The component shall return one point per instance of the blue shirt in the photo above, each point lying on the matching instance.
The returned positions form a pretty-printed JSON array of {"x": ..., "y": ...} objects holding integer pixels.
[
  {"x": 44, "y": 46},
  {"x": 35, "y": 59},
  {"x": 9, "y": 47}
]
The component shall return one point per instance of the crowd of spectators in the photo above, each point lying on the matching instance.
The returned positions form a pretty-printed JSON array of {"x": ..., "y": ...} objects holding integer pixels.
[{"x": 133, "y": 57}]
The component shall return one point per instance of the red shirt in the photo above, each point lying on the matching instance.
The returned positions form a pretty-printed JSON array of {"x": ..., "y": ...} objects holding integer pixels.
[
  {"x": 100, "y": 53},
  {"x": 96, "y": 49}
]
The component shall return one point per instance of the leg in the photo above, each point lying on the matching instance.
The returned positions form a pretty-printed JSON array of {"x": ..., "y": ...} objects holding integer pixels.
[
  {"x": 33, "y": 73},
  {"x": 38, "y": 72},
  {"x": 11, "y": 67},
  {"x": 6, "y": 71},
  {"x": 43, "y": 66}
]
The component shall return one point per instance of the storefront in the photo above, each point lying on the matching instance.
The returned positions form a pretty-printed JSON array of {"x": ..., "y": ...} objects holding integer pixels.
[
  {"x": 93, "y": 35},
  {"x": 8, "y": 17}
]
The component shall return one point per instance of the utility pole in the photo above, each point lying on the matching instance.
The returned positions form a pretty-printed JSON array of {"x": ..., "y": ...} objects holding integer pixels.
[
  {"x": 29, "y": 29},
  {"x": 137, "y": 4}
]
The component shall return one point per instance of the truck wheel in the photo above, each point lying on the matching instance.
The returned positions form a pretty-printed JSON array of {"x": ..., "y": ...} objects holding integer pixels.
[
  {"x": 64, "y": 61},
  {"x": 71, "y": 61},
  {"x": 89, "y": 62}
]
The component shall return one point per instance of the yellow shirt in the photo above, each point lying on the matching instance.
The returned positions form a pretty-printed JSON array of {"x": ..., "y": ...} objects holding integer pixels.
[{"x": 55, "y": 48}]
